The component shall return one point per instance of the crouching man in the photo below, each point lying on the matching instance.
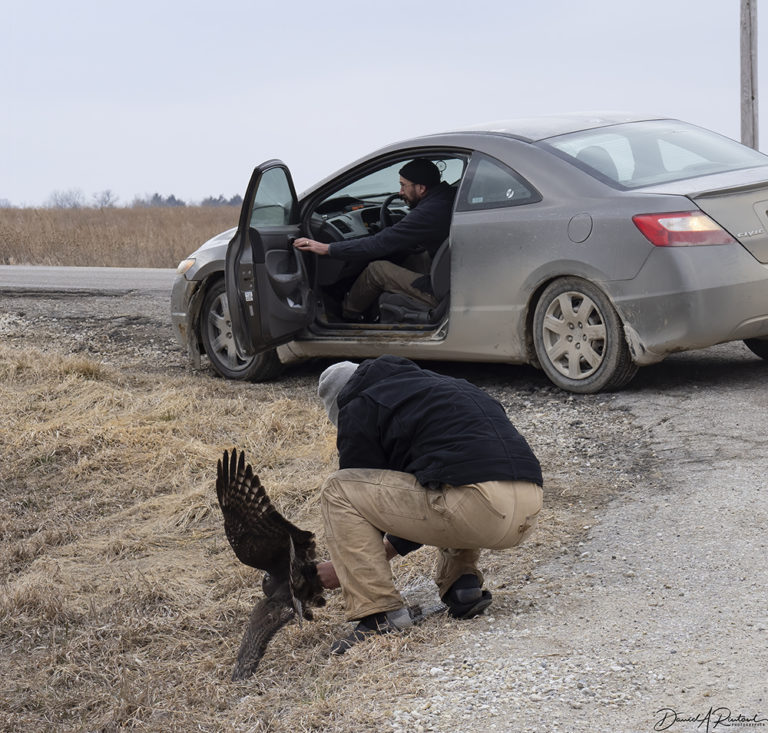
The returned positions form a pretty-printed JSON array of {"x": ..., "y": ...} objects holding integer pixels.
[{"x": 424, "y": 459}]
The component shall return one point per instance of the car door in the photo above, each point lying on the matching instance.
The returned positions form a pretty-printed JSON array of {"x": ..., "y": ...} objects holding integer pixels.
[{"x": 270, "y": 299}]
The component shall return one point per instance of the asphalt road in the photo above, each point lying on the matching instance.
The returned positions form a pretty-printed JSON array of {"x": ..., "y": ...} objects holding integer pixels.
[{"x": 98, "y": 279}]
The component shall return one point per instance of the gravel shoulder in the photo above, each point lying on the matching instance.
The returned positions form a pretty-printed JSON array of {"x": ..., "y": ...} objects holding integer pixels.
[
  {"x": 640, "y": 604},
  {"x": 658, "y": 619}
]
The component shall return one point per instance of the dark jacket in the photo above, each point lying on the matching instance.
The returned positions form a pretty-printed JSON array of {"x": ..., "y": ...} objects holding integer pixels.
[
  {"x": 395, "y": 415},
  {"x": 425, "y": 227}
]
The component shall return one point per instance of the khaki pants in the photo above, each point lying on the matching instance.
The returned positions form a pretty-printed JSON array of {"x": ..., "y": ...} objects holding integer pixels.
[
  {"x": 358, "y": 505},
  {"x": 379, "y": 277}
]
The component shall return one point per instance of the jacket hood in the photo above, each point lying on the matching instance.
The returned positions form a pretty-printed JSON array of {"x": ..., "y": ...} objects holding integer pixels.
[{"x": 373, "y": 371}]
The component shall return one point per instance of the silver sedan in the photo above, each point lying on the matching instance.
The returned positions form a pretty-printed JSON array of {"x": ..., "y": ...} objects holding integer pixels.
[{"x": 586, "y": 245}]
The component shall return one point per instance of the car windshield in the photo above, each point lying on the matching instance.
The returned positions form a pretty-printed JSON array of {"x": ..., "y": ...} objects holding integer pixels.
[{"x": 659, "y": 151}]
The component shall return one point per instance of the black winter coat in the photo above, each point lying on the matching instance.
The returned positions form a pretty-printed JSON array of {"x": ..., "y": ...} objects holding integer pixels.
[
  {"x": 395, "y": 415},
  {"x": 425, "y": 227}
]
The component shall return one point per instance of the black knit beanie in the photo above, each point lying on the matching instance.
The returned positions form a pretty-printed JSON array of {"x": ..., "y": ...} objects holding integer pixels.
[{"x": 421, "y": 171}]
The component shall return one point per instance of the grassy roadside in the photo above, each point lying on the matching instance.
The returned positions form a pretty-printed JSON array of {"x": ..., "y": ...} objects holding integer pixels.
[{"x": 122, "y": 605}]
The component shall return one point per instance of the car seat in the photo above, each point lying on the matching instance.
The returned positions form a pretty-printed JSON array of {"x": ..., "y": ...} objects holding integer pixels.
[
  {"x": 400, "y": 308},
  {"x": 600, "y": 159}
]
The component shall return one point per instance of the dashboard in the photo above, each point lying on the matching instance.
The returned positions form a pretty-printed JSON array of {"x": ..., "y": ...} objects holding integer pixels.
[{"x": 346, "y": 217}]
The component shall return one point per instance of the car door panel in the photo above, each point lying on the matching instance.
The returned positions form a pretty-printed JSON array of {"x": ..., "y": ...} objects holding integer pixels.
[{"x": 267, "y": 282}]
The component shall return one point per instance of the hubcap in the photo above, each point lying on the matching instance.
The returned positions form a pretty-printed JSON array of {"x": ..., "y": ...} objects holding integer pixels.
[
  {"x": 573, "y": 333},
  {"x": 220, "y": 334}
]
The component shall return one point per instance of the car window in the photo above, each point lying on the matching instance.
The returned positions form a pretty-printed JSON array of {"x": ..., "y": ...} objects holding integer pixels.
[
  {"x": 273, "y": 202},
  {"x": 651, "y": 152},
  {"x": 609, "y": 154},
  {"x": 676, "y": 158},
  {"x": 492, "y": 185},
  {"x": 384, "y": 181}
]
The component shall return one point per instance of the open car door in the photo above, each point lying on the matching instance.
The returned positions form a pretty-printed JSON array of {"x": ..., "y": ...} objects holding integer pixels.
[{"x": 268, "y": 289}]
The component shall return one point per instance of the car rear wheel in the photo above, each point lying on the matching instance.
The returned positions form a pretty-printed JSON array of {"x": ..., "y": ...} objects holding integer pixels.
[
  {"x": 579, "y": 338},
  {"x": 219, "y": 343},
  {"x": 758, "y": 346}
]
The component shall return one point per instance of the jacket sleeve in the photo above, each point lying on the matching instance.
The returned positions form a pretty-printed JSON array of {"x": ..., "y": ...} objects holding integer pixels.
[
  {"x": 357, "y": 440},
  {"x": 405, "y": 237}
]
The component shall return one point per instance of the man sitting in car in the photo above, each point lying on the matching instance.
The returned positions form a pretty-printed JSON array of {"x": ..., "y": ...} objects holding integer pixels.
[{"x": 423, "y": 229}]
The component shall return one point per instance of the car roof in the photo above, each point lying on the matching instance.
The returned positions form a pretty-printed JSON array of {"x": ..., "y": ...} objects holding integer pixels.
[
  {"x": 544, "y": 126},
  {"x": 527, "y": 129}
]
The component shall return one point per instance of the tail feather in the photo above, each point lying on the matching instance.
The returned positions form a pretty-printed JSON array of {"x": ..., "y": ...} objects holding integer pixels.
[
  {"x": 294, "y": 577},
  {"x": 267, "y": 618}
]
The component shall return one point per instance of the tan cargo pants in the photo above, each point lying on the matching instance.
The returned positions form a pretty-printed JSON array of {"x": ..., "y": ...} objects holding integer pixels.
[
  {"x": 383, "y": 276},
  {"x": 358, "y": 505}
]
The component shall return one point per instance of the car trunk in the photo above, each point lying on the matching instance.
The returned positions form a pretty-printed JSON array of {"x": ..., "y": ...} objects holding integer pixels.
[{"x": 737, "y": 201}]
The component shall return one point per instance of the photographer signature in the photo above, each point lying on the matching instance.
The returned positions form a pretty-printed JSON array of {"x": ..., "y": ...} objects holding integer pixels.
[{"x": 712, "y": 719}]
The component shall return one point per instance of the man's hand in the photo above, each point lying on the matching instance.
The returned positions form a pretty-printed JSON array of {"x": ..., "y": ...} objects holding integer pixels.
[
  {"x": 310, "y": 245},
  {"x": 327, "y": 575}
]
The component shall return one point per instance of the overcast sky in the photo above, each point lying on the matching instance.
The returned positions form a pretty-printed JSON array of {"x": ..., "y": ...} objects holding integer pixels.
[{"x": 185, "y": 98}]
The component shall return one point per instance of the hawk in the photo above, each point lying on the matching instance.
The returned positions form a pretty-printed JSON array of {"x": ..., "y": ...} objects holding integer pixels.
[{"x": 263, "y": 538}]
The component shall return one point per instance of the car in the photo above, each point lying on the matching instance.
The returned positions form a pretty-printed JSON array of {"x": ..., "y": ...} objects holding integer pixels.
[{"x": 587, "y": 245}]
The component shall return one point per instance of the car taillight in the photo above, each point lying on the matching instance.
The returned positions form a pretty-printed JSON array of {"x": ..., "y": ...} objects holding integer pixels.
[{"x": 681, "y": 229}]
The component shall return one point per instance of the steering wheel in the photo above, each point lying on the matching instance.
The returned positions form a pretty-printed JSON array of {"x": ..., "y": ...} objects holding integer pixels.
[{"x": 385, "y": 215}]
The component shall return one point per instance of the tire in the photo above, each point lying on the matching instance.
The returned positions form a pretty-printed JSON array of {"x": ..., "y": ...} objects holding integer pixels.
[
  {"x": 219, "y": 343},
  {"x": 579, "y": 338},
  {"x": 758, "y": 347}
]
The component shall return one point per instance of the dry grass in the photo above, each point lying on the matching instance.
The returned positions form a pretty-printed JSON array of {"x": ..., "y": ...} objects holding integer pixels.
[
  {"x": 110, "y": 237},
  {"x": 122, "y": 605}
]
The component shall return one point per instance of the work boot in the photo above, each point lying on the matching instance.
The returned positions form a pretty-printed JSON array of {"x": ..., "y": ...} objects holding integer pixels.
[
  {"x": 377, "y": 623},
  {"x": 465, "y": 598}
]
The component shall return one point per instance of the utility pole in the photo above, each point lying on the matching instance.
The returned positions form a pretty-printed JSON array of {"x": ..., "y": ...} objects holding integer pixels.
[{"x": 749, "y": 73}]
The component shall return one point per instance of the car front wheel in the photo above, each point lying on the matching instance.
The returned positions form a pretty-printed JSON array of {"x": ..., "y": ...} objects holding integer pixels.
[
  {"x": 219, "y": 343},
  {"x": 579, "y": 339}
]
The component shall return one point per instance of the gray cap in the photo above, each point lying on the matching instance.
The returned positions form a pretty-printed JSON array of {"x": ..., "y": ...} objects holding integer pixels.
[{"x": 330, "y": 384}]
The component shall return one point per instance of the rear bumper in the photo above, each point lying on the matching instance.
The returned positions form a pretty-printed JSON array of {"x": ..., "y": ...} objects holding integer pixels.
[{"x": 692, "y": 297}]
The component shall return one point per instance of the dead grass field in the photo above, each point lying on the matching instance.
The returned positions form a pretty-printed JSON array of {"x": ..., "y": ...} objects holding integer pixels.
[
  {"x": 122, "y": 604},
  {"x": 110, "y": 237}
]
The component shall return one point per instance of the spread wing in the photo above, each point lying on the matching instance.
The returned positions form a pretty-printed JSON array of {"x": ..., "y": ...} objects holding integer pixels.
[
  {"x": 257, "y": 532},
  {"x": 263, "y": 538}
]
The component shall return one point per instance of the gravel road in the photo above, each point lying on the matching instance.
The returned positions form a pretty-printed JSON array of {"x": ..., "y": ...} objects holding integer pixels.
[
  {"x": 658, "y": 620},
  {"x": 643, "y": 609}
]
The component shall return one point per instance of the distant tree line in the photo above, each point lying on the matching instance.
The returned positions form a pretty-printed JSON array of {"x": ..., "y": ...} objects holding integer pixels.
[
  {"x": 236, "y": 200},
  {"x": 157, "y": 200},
  {"x": 74, "y": 198}
]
